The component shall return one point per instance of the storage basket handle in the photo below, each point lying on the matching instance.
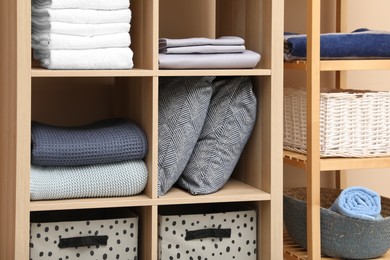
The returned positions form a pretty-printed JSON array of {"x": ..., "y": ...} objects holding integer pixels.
[
  {"x": 208, "y": 232},
  {"x": 83, "y": 241}
]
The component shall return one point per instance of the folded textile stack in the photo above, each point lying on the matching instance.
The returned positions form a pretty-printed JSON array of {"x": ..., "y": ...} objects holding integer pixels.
[
  {"x": 361, "y": 43},
  {"x": 227, "y": 52},
  {"x": 71, "y": 34},
  {"x": 103, "y": 159}
]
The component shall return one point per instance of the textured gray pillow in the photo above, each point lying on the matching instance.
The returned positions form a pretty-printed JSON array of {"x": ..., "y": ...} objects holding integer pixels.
[
  {"x": 229, "y": 123},
  {"x": 183, "y": 103}
]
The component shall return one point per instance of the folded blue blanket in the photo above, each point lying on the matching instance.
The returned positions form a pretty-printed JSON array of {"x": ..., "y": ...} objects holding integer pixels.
[
  {"x": 105, "y": 141},
  {"x": 89, "y": 181},
  {"x": 358, "y": 202},
  {"x": 361, "y": 43}
]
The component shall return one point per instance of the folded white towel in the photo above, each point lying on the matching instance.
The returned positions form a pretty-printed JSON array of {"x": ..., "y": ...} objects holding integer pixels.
[
  {"x": 247, "y": 59},
  {"x": 79, "y": 29},
  {"x": 81, "y": 16},
  {"x": 69, "y": 42},
  {"x": 109, "y": 58},
  {"x": 82, "y": 4},
  {"x": 204, "y": 49},
  {"x": 224, "y": 40}
]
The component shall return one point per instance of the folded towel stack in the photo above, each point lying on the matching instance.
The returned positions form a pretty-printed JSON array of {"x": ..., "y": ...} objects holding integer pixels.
[
  {"x": 82, "y": 34},
  {"x": 227, "y": 52},
  {"x": 103, "y": 159}
]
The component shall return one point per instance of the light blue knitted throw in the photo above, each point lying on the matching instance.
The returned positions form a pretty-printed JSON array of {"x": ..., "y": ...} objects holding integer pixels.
[{"x": 91, "y": 181}]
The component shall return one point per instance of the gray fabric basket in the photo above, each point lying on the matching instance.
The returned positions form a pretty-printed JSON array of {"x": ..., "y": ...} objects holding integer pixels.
[{"x": 341, "y": 236}]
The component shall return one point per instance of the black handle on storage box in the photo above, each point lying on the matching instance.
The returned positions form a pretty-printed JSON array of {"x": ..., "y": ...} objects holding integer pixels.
[
  {"x": 208, "y": 232},
  {"x": 83, "y": 241}
]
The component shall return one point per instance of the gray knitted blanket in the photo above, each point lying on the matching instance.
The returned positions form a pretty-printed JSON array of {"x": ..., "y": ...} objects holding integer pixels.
[{"x": 105, "y": 141}]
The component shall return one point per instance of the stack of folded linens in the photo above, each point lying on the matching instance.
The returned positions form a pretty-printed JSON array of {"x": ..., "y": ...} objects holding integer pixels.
[
  {"x": 227, "y": 52},
  {"x": 103, "y": 159},
  {"x": 72, "y": 34}
]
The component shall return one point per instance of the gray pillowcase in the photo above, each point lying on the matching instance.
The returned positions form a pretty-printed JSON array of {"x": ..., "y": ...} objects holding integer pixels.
[
  {"x": 183, "y": 103},
  {"x": 229, "y": 123}
]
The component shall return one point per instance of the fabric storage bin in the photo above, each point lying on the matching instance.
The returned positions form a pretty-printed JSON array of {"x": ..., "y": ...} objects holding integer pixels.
[
  {"x": 353, "y": 123},
  {"x": 342, "y": 237},
  {"x": 84, "y": 234},
  {"x": 210, "y": 231}
]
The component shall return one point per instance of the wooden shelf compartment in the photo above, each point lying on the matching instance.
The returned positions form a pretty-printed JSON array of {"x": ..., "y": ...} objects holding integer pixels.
[
  {"x": 333, "y": 164},
  {"x": 339, "y": 65},
  {"x": 292, "y": 251},
  {"x": 232, "y": 191}
]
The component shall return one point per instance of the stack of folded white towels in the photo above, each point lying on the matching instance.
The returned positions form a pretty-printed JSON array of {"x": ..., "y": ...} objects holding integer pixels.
[
  {"x": 226, "y": 52},
  {"x": 82, "y": 34}
]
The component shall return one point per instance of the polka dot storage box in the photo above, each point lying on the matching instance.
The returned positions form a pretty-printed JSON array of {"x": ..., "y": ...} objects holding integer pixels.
[
  {"x": 208, "y": 231},
  {"x": 84, "y": 234}
]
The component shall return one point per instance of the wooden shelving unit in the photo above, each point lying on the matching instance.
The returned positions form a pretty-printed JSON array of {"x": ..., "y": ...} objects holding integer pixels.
[
  {"x": 75, "y": 97},
  {"x": 312, "y": 162}
]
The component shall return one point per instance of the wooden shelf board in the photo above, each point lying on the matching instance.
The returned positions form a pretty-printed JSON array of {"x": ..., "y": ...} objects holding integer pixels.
[
  {"x": 45, "y": 73},
  {"x": 332, "y": 164},
  {"x": 232, "y": 191},
  {"x": 133, "y": 201},
  {"x": 338, "y": 65},
  {"x": 292, "y": 251},
  {"x": 214, "y": 72}
]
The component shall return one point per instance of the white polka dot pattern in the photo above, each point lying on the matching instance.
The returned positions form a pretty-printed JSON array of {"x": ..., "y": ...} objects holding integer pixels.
[
  {"x": 122, "y": 239},
  {"x": 241, "y": 245}
]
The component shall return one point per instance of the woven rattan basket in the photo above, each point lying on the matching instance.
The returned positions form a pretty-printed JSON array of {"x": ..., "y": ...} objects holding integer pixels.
[
  {"x": 352, "y": 123},
  {"x": 341, "y": 236}
]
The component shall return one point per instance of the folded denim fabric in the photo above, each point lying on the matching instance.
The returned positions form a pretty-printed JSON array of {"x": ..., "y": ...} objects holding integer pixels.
[
  {"x": 89, "y": 181},
  {"x": 358, "y": 202},
  {"x": 88, "y": 59},
  {"x": 245, "y": 60},
  {"x": 204, "y": 49},
  {"x": 361, "y": 43},
  {"x": 81, "y": 4},
  {"x": 54, "y": 41},
  {"x": 105, "y": 141},
  {"x": 81, "y": 16},
  {"x": 87, "y": 29}
]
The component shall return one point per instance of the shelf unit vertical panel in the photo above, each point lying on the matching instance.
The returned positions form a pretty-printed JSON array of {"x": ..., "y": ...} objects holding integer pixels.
[
  {"x": 14, "y": 128},
  {"x": 313, "y": 128},
  {"x": 139, "y": 104},
  {"x": 143, "y": 24},
  {"x": 147, "y": 229},
  {"x": 273, "y": 131}
]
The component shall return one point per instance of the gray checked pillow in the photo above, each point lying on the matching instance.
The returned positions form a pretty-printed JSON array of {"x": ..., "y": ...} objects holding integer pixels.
[
  {"x": 229, "y": 123},
  {"x": 183, "y": 103}
]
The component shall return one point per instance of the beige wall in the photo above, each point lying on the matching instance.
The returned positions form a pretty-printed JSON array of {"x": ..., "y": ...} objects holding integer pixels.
[
  {"x": 373, "y": 15},
  {"x": 357, "y": 14}
]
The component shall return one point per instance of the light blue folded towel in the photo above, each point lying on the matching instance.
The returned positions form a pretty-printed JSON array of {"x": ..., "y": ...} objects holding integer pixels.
[{"x": 358, "y": 202}]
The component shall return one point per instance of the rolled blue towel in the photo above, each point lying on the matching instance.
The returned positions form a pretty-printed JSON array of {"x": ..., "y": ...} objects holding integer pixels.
[
  {"x": 358, "y": 202},
  {"x": 106, "y": 141},
  {"x": 361, "y": 43}
]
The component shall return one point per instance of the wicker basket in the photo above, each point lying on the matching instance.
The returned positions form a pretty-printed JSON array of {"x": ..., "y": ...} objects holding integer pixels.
[
  {"x": 352, "y": 123},
  {"x": 341, "y": 236}
]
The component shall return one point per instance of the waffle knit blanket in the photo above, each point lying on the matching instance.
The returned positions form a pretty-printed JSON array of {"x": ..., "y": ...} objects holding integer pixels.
[
  {"x": 91, "y": 181},
  {"x": 358, "y": 202},
  {"x": 106, "y": 141},
  {"x": 361, "y": 43}
]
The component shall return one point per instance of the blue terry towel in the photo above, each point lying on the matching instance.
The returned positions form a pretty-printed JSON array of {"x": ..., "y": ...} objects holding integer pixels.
[
  {"x": 106, "y": 141},
  {"x": 361, "y": 43},
  {"x": 358, "y": 202}
]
